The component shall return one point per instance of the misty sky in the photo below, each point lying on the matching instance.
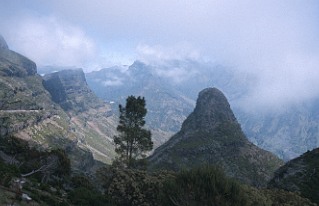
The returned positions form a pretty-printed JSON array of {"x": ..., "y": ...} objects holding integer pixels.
[{"x": 276, "y": 41}]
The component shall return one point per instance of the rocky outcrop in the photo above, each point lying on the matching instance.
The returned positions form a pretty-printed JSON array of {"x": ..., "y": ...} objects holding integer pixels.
[
  {"x": 212, "y": 135},
  {"x": 3, "y": 43},
  {"x": 69, "y": 89},
  {"x": 212, "y": 108}
]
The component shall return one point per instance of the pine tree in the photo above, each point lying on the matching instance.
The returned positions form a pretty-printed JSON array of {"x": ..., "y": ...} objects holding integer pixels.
[{"x": 133, "y": 140}]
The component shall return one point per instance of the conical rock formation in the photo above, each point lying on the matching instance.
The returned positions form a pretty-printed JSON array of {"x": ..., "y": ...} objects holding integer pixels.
[{"x": 212, "y": 135}]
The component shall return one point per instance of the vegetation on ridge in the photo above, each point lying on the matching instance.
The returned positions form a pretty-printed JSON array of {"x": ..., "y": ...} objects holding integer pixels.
[{"x": 300, "y": 175}]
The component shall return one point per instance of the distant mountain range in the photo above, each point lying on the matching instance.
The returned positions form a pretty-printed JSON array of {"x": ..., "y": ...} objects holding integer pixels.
[
  {"x": 171, "y": 89},
  {"x": 167, "y": 108}
]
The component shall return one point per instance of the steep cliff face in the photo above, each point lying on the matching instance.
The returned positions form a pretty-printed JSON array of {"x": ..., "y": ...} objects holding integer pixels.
[
  {"x": 69, "y": 89},
  {"x": 212, "y": 135},
  {"x": 23, "y": 100},
  {"x": 300, "y": 175},
  {"x": 91, "y": 119}
]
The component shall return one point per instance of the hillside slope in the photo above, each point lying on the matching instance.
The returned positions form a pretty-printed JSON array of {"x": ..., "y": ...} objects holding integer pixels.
[
  {"x": 300, "y": 175},
  {"x": 28, "y": 112}
]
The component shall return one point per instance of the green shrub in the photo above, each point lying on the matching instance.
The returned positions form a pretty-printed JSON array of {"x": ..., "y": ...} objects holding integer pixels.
[
  {"x": 202, "y": 186},
  {"x": 81, "y": 181},
  {"x": 83, "y": 196},
  {"x": 132, "y": 187},
  {"x": 7, "y": 172}
]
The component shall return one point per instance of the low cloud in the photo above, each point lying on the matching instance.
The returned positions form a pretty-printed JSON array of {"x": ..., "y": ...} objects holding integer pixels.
[
  {"x": 275, "y": 42},
  {"x": 113, "y": 82},
  {"x": 172, "y": 62},
  {"x": 294, "y": 81},
  {"x": 50, "y": 41},
  {"x": 160, "y": 54}
]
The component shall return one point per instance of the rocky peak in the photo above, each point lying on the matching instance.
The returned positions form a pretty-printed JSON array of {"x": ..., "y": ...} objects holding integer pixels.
[
  {"x": 212, "y": 108},
  {"x": 3, "y": 43},
  {"x": 70, "y": 79},
  {"x": 73, "y": 76},
  {"x": 14, "y": 64},
  {"x": 140, "y": 70},
  {"x": 69, "y": 89},
  {"x": 212, "y": 135}
]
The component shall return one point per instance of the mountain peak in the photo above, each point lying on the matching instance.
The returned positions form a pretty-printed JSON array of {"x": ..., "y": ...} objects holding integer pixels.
[
  {"x": 14, "y": 64},
  {"x": 3, "y": 43},
  {"x": 212, "y": 135},
  {"x": 212, "y": 108},
  {"x": 140, "y": 69},
  {"x": 212, "y": 100},
  {"x": 69, "y": 89}
]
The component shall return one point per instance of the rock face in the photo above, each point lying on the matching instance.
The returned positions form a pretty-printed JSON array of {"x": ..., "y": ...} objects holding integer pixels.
[
  {"x": 3, "y": 43},
  {"x": 212, "y": 108},
  {"x": 93, "y": 120},
  {"x": 300, "y": 175},
  {"x": 69, "y": 89},
  {"x": 212, "y": 135}
]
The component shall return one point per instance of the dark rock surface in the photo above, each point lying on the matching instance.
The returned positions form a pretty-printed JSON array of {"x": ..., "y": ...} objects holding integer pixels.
[
  {"x": 69, "y": 89},
  {"x": 211, "y": 109},
  {"x": 300, "y": 175}
]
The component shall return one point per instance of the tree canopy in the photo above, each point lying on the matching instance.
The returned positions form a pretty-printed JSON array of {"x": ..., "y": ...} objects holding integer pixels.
[{"x": 133, "y": 140}]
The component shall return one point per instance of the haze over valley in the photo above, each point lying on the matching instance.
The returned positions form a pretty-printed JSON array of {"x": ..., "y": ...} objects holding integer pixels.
[{"x": 228, "y": 92}]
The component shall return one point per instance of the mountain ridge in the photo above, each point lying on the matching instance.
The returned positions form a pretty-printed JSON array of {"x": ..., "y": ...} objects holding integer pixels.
[
  {"x": 299, "y": 175},
  {"x": 166, "y": 108}
]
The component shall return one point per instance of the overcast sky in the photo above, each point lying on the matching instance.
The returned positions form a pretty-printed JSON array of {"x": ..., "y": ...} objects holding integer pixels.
[{"x": 277, "y": 41}]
